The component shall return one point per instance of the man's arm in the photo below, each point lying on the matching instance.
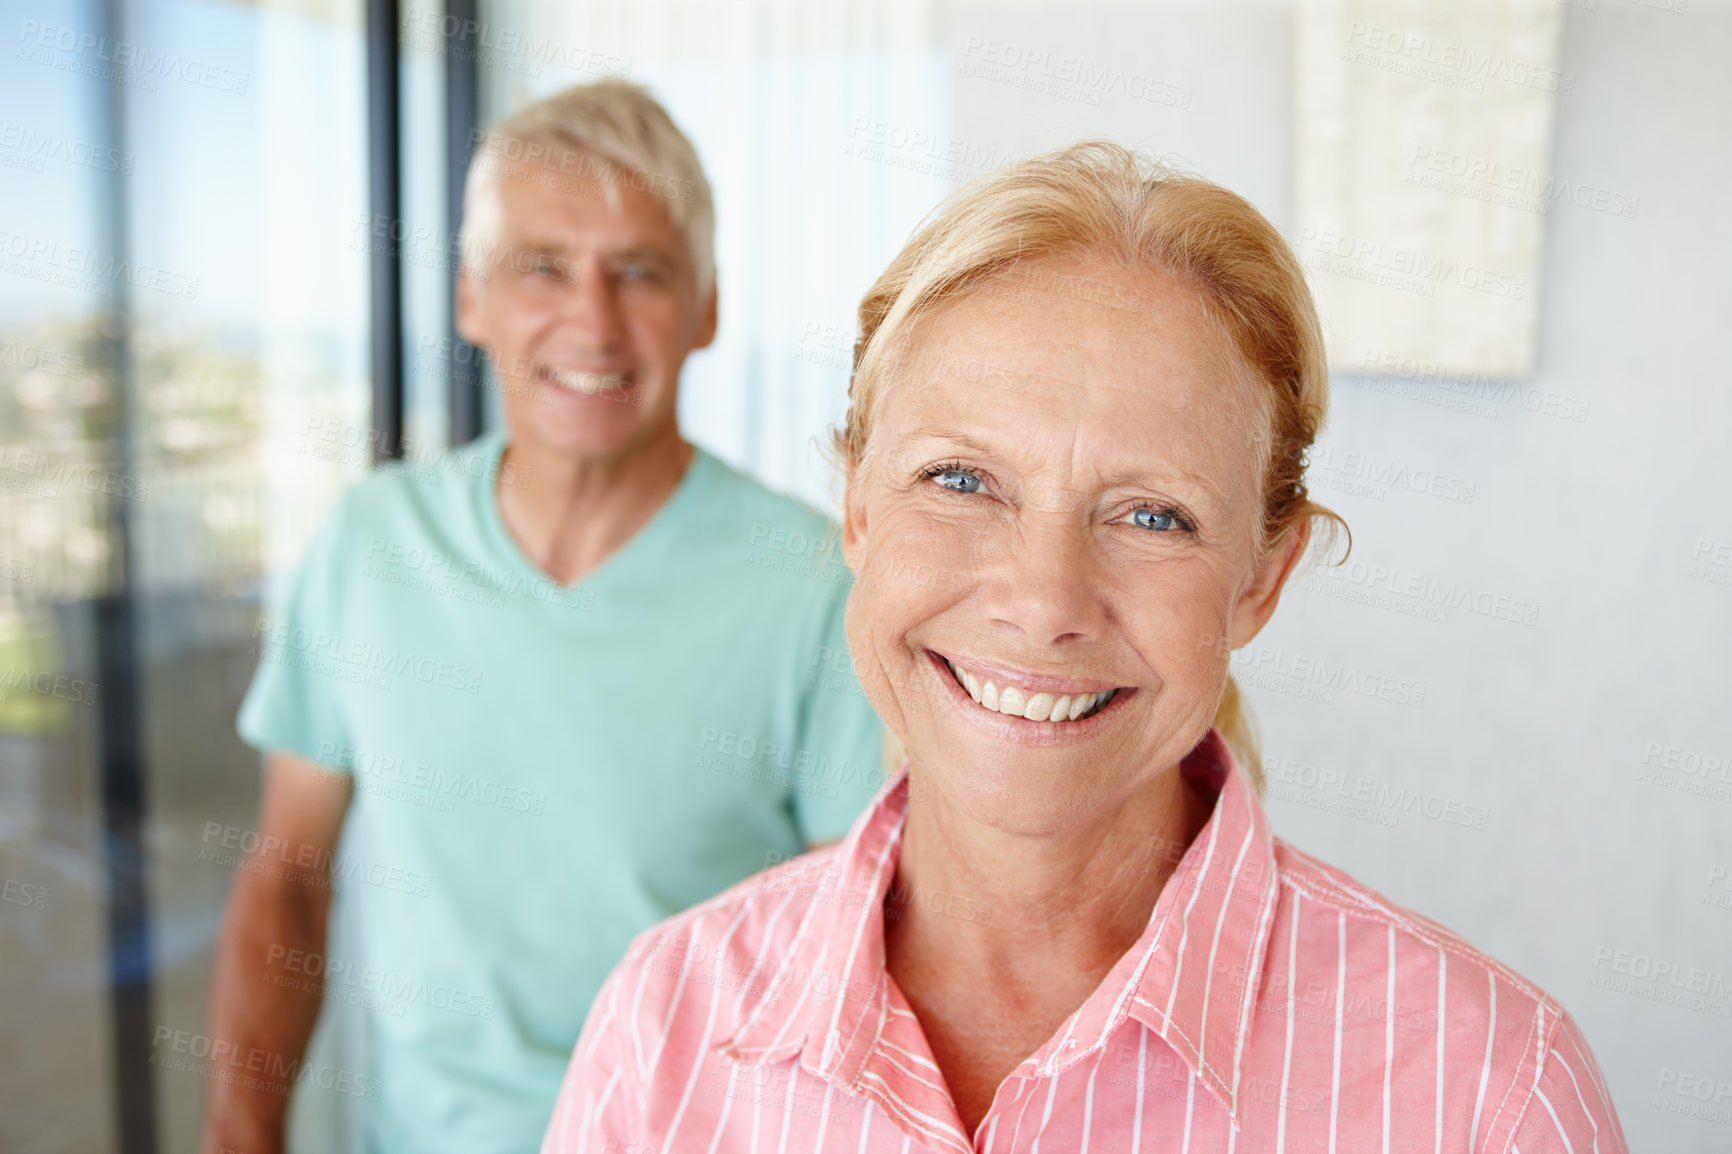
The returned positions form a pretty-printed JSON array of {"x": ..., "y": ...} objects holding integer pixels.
[{"x": 279, "y": 901}]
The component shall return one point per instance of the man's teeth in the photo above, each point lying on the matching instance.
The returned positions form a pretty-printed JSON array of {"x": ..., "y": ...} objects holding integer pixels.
[
  {"x": 1015, "y": 702},
  {"x": 587, "y": 383}
]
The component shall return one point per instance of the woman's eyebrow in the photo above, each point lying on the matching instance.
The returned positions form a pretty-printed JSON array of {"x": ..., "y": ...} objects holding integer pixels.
[{"x": 955, "y": 436}]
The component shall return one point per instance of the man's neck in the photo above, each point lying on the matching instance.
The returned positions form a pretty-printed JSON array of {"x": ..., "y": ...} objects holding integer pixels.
[{"x": 570, "y": 515}]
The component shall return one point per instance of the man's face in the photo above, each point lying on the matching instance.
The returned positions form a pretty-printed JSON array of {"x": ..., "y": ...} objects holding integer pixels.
[{"x": 587, "y": 307}]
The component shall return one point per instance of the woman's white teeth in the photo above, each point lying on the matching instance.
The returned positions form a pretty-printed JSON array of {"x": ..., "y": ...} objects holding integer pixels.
[
  {"x": 1034, "y": 706},
  {"x": 586, "y": 383}
]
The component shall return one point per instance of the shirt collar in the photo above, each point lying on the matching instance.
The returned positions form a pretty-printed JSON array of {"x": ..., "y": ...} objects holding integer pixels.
[
  {"x": 1190, "y": 978},
  {"x": 831, "y": 978},
  {"x": 1200, "y": 958}
]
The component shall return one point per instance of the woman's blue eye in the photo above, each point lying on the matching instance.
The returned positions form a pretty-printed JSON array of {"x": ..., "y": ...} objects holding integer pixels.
[
  {"x": 1154, "y": 519},
  {"x": 958, "y": 481}
]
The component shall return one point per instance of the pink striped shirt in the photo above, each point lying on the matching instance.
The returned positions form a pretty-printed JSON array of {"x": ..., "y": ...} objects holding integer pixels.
[{"x": 1271, "y": 1004}]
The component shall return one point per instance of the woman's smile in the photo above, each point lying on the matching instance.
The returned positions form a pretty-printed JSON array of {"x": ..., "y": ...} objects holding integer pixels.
[{"x": 1027, "y": 707}]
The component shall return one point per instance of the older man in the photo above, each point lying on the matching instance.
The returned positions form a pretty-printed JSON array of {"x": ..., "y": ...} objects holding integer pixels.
[{"x": 547, "y": 697}]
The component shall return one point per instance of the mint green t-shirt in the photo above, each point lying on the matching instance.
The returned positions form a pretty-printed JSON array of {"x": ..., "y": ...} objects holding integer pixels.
[{"x": 542, "y": 772}]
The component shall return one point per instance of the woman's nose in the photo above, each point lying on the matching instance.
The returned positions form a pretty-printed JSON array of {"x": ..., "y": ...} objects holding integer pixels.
[{"x": 1041, "y": 582}]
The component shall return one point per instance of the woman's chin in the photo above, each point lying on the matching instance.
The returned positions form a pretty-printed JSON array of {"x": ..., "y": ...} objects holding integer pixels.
[{"x": 1030, "y": 792}]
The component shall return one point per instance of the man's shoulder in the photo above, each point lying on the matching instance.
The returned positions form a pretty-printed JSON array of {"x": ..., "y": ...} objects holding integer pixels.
[
  {"x": 427, "y": 480},
  {"x": 400, "y": 499},
  {"x": 749, "y": 500},
  {"x": 784, "y": 552}
]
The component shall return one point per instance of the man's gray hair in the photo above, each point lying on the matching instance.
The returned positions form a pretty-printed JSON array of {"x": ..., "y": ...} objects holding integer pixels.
[{"x": 611, "y": 131}]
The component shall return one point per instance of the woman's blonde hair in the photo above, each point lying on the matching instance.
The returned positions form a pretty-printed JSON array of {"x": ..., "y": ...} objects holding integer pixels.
[{"x": 1099, "y": 198}]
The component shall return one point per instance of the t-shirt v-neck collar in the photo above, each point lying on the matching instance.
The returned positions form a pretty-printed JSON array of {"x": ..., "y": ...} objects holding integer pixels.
[{"x": 645, "y": 541}]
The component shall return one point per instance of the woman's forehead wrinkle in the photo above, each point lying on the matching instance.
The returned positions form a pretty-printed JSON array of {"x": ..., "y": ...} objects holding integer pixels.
[{"x": 1163, "y": 416}]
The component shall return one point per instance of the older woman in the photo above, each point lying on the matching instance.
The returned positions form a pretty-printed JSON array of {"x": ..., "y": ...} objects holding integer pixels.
[{"x": 1075, "y": 458}]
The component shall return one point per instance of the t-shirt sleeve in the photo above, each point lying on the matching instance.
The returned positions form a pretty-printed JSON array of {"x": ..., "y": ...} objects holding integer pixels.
[
  {"x": 1570, "y": 1108},
  {"x": 839, "y": 729},
  {"x": 296, "y": 701}
]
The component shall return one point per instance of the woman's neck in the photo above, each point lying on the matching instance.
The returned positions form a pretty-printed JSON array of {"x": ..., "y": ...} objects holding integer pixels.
[
  {"x": 1081, "y": 896},
  {"x": 996, "y": 938}
]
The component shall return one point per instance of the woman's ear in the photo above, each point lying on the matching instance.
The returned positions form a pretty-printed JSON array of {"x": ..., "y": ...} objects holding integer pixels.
[
  {"x": 853, "y": 523},
  {"x": 1262, "y": 593}
]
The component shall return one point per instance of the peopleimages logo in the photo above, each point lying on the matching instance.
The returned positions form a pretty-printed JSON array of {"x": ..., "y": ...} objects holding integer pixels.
[
  {"x": 420, "y": 783},
  {"x": 183, "y": 1051},
  {"x": 1477, "y": 386},
  {"x": 48, "y": 261},
  {"x": 1066, "y": 77},
  {"x": 57, "y": 474},
  {"x": 1692, "y": 771},
  {"x": 21, "y": 893},
  {"x": 46, "y": 683},
  {"x": 1402, "y": 267},
  {"x": 1662, "y": 980},
  {"x": 1417, "y": 52},
  {"x": 1334, "y": 791},
  {"x": 1638, "y": 965},
  {"x": 315, "y": 971},
  {"x": 1275, "y": 669},
  {"x": 32, "y": 149},
  {"x": 357, "y": 660},
  {"x": 1493, "y": 182},
  {"x": 1423, "y": 589},
  {"x": 1694, "y": 1095},
  {"x": 91, "y": 55},
  {"x": 435, "y": 22},
  {"x": 917, "y": 150},
  {"x": 269, "y": 856},
  {"x": 54, "y": 361},
  {"x": 1380, "y": 473}
]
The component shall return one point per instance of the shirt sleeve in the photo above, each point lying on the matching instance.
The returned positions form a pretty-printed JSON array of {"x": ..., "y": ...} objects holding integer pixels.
[
  {"x": 1570, "y": 1110},
  {"x": 838, "y": 728},
  {"x": 296, "y": 701},
  {"x": 597, "y": 1105}
]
